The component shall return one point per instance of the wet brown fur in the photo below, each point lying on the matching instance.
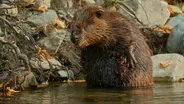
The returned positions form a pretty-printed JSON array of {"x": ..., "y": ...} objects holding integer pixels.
[{"x": 114, "y": 51}]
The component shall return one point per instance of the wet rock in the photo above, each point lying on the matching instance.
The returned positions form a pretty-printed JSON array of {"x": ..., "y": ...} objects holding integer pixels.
[
  {"x": 43, "y": 19},
  {"x": 30, "y": 80},
  {"x": 52, "y": 42},
  {"x": 176, "y": 20},
  {"x": 173, "y": 72},
  {"x": 149, "y": 12},
  {"x": 66, "y": 74},
  {"x": 44, "y": 64},
  {"x": 175, "y": 39}
]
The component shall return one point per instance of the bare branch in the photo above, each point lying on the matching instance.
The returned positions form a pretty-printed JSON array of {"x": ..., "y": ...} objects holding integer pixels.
[{"x": 17, "y": 50}]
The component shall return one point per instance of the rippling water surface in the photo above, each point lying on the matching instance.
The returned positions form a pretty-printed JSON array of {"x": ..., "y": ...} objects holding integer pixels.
[{"x": 78, "y": 93}]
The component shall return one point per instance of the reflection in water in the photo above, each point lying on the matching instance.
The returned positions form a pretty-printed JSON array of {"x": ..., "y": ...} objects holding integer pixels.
[{"x": 78, "y": 93}]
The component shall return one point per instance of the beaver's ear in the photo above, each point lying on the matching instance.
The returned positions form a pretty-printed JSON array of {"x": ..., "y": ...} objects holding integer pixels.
[{"x": 112, "y": 9}]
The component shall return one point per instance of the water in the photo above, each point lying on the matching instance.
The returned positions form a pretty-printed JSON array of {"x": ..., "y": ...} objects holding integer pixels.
[{"x": 78, "y": 93}]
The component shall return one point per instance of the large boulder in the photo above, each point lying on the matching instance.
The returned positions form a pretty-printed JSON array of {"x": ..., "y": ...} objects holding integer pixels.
[
  {"x": 175, "y": 39},
  {"x": 149, "y": 12},
  {"x": 168, "y": 67},
  {"x": 176, "y": 20},
  {"x": 43, "y": 19}
]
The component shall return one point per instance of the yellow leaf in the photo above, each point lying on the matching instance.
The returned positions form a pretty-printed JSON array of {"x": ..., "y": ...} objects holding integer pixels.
[
  {"x": 60, "y": 24},
  {"x": 11, "y": 90},
  {"x": 165, "y": 64},
  {"x": 42, "y": 8},
  {"x": 164, "y": 29}
]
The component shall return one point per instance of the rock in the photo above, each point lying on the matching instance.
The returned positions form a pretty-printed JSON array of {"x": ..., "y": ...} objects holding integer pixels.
[
  {"x": 12, "y": 12},
  {"x": 66, "y": 74},
  {"x": 42, "y": 2},
  {"x": 60, "y": 4},
  {"x": 176, "y": 20},
  {"x": 43, "y": 19},
  {"x": 149, "y": 12},
  {"x": 65, "y": 8},
  {"x": 3, "y": 76},
  {"x": 175, "y": 39},
  {"x": 44, "y": 65},
  {"x": 174, "y": 71},
  {"x": 29, "y": 81},
  {"x": 52, "y": 42},
  {"x": 24, "y": 3}
]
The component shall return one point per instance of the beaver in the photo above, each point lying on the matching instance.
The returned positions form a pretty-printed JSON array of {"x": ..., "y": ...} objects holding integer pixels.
[{"x": 114, "y": 51}]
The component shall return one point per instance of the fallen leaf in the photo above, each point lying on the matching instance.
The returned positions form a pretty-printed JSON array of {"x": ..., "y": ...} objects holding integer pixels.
[
  {"x": 171, "y": 10},
  {"x": 42, "y": 8},
  {"x": 11, "y": 90},
  {"x": 165, "y": 64},
  {"x": 164, "y": 29},
  {"x": 60, "y": 24},
  {"x": 43, "y": 54}
]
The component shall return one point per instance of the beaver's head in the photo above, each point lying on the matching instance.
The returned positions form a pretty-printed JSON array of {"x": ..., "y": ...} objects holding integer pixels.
[{"x": 92, "y": 26}]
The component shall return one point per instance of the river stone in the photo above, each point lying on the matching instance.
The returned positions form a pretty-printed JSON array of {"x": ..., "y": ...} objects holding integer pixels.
[
  {"x": 30, "y": 80},
  {"x": 175, "y": 39},
  {"x": 66, "y": 74},
  {"x": 24, "y": 3},
  {"x": 60, "y": 4},
  {"x": 149, "y": 12},
  {"x": 12, "y": 11},
  {"x": 43, "y": 19},
  {"x": 176, "y": 20},
  {"x": 174, "y": 72},
  {"x": 44, "y": 64},
  {"x": 52, "y": 42}
]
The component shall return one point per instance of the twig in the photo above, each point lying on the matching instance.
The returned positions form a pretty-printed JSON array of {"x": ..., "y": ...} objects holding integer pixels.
[
  {"x": 17, "y": 50},
  {"x": 58, "y": 46},
  {"x": 8, "y": 7},
  {"x": 13, "y": 28}
]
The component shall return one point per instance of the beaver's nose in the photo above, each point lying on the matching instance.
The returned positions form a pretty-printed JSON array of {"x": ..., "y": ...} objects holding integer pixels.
[{"x": 74, "y": 36}]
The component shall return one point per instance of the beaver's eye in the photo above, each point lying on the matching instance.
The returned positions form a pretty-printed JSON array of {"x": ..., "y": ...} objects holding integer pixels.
[{"x": 99, "y": 14}]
